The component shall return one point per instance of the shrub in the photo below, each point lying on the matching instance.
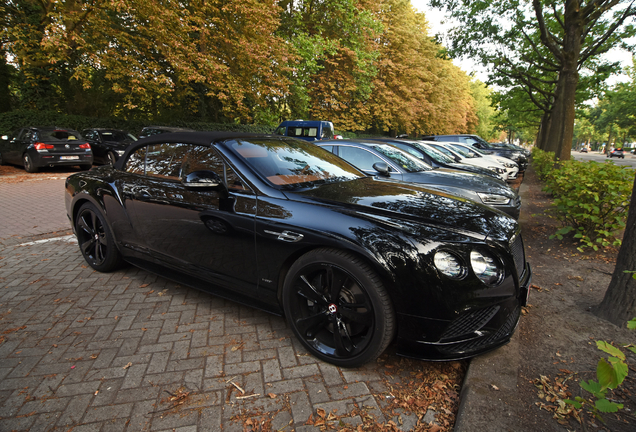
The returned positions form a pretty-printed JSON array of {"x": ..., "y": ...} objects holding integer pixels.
[
  {"x": 543, "y": 162},
  {"x": 12, "y": 120},
  {"x": 590, "y": 199}
]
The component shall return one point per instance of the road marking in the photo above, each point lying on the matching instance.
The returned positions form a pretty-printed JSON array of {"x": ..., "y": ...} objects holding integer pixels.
[{"x": 68, "y": 238}]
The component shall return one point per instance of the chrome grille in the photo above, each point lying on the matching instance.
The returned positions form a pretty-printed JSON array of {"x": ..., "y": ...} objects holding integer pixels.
[
  {"x": 470, "y": 322},
  {"x": 481, "y": 343}
]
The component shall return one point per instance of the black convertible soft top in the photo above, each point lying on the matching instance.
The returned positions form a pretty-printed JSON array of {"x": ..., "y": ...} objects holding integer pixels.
[{"x": 204, "y": 138}]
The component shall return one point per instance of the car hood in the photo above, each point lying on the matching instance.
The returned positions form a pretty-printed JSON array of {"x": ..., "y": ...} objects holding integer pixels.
[
  {"x": 445, "y": 177},
  {"x": 399, "y": 200}
]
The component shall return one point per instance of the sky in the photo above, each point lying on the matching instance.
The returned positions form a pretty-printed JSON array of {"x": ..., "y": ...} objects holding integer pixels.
[{"x": 436, "y": 17}]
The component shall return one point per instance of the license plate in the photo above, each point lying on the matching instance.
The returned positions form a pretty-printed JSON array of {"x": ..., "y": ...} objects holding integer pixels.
[{"x": 69, "y": 157}]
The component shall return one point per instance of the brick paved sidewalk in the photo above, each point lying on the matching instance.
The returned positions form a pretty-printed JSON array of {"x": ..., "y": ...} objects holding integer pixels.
[
  {"x": 129, "y": 351},
  {"x": 32, "y": 207}
]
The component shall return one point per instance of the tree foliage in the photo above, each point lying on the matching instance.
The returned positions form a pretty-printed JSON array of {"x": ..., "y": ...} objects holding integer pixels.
[
  {"x": 363, "y": 64},
  {"x": 543, "y": 47}
]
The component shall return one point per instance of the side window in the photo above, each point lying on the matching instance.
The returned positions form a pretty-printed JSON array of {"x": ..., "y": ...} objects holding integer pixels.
[
  {"x": 360, "y": 158},
  {"x": 328, "y": 148},
  {"x": 206, "y": 158},
  {"x": 165, "y": 160},
  {"x": 136, "y": 163},
  {"x": 280, "y": 131}
]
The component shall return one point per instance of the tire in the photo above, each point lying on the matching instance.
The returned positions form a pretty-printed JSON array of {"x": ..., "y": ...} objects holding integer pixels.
[
  {"x": 111, "y": 158},
  {"x": 28, "y": 164},
  {"x": 1, "y": 160},
  {"x": 95, "y": 240},
  {"x": 85, "y": 167},
  {"x": 327, "y": 289}
]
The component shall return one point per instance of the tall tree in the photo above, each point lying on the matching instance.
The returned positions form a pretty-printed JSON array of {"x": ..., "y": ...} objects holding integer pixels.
[
  {"x": 619, "y": 303},
  {"x": 416, "y": 90},
  {"x": 558, "y": 38}
]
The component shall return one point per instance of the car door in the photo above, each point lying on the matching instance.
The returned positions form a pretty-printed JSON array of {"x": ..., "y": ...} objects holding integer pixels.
[{"x": 208, "y": 233}]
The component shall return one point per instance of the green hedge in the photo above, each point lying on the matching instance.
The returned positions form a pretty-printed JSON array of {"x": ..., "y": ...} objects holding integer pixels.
[
  {"x": 590, "y": 199},
  {"x": 12, "y": 120}
]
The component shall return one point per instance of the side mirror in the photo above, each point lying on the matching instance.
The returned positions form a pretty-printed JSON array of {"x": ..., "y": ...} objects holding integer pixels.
[
  {"x": 382, "y": 169},
  {"x": 202, "y": 179}
]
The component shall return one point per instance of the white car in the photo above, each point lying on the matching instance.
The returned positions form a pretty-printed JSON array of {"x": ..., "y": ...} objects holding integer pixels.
[{"x": 506, "y": 168}]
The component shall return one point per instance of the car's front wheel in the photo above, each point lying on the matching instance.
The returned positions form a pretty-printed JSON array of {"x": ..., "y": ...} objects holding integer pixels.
[
  {"x": 338, "y": 307},
  {"x": 95, "y": 239}
]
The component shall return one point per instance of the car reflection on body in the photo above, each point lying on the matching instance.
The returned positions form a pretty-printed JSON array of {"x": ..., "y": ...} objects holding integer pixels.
[
  {"x": 353, "y": 262},
  {"x": 379, "y": 158}
]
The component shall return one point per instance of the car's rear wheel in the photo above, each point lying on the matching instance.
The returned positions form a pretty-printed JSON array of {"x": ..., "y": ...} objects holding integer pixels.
[
  {"x": 95, "y": 240},
  {"x": 111, "y": 158},
  {"x": 28, "y": 164},
  {"x": 338, "y": 307},
  {"x": 1, "y": 161},
  {"x": 85, "y": 167}
]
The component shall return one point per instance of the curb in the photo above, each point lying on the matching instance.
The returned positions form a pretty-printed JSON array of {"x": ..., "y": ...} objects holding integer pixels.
[{"x": 490, "y": 378}]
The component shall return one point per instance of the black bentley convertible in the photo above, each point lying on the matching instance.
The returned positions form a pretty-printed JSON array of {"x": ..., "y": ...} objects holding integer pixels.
[{"x": 353, "y": 262}]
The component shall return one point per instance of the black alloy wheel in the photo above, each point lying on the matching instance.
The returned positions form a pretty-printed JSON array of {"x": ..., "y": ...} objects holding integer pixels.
[
  {"x": 28, "y": 164},
  {"x": 111, "y": 158},
  {"x": 95, "y": 240},
  {"x": 338, "y": 307}
]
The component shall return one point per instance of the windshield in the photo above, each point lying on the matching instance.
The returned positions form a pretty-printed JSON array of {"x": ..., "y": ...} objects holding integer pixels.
[
  {"x": 446, "y": 151},
  {"x": 435, "y": 154},
  {"x": 117, "y": 136},
  {"x": 478, "y": 139},
  {"x": 291, "y": 164},
  {"x": 464, "y": 151},
  {"x": 406, "y": 161}
]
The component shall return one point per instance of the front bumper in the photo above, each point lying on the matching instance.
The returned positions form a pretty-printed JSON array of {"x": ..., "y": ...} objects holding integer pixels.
[{"x": 471, "y": 333}]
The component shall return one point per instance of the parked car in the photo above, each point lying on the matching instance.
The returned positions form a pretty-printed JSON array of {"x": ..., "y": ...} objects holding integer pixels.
[
  {"x": 147, "y": 131},
  {"x": 308, "y": 130},
  {"x": 583, "y": 149},
  {"x": 508, "y": 169},
  {"x": 37, "y": 147},
  {"x": 476, "y": 141},
  {"x": 435, "y": 158},
  {"x": 376, "y": 158},
  {"x": 352, "y": 261},
  {"x": 108, "y": 144},
  {"x": 617, "y": 152}
]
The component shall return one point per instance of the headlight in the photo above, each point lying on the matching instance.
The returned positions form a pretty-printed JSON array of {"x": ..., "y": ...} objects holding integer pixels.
[
  {"x": 509, "y": 165},
  {"x": 498, "y": 170},
  {"x": 486, "y": 268},
  {"x": 487, "y": 198},
  {"x": 448, "y": 264}
]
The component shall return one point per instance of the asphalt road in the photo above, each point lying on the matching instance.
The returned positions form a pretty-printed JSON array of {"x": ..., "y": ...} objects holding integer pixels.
[{"x": 630, "y": 159}]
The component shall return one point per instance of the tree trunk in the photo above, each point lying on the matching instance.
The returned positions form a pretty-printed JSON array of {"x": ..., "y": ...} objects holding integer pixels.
[
  {"x": 543, "y": 131},
  {"x": 5, "y": 75},
  {"x": 561, "y": 130},
  {"x": 619, "y": 304}
]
